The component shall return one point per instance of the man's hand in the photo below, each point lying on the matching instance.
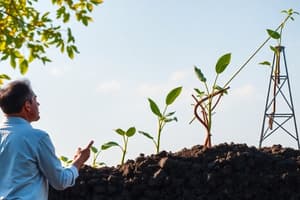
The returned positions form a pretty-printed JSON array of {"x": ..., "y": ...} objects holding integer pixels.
[{"x": 82, "y": 155}]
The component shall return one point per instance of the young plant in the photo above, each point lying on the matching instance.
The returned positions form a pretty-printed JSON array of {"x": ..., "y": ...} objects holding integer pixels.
[
  {"x": 96, "y": 153},
  {"x": 162, "y": 117},
  {"x": 65, "y": 161},
  {"x": 125, "y": 135},
  {"x": 277, "y": 50},
  {"x": 205, "y": 99}
]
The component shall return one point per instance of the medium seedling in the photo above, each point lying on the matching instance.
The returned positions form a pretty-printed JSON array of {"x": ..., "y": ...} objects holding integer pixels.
[
  {"x": 162, "y": 117},
  {"x": 125, "y": 135}
]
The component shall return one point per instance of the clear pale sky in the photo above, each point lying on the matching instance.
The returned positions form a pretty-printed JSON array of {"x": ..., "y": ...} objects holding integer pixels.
[{"x": 137, "y": 49}]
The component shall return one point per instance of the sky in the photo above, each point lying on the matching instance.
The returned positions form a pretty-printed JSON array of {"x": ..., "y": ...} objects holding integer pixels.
[{"x": 137, "y": 49}]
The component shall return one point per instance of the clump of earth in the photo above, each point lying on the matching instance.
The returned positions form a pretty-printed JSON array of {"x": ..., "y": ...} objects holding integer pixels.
[{"x": 223, "y": 172}]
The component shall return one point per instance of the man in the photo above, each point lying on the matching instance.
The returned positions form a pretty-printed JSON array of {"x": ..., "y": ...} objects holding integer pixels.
[{"x": 27, "y": 157}]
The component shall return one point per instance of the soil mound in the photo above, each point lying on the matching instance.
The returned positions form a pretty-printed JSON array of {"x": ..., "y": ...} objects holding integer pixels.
[{"x": 225, "y": 171}]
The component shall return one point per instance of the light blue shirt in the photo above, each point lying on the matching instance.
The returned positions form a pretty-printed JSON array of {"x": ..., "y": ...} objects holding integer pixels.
[{"x": 28, "y": 162}]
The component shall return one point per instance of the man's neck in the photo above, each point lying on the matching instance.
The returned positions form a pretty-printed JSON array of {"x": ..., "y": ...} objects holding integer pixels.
[{"x": 17, "y": 115}]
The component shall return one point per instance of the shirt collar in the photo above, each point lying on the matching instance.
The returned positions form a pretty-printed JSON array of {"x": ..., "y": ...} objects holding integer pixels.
[{"x": 15, "y": 120}]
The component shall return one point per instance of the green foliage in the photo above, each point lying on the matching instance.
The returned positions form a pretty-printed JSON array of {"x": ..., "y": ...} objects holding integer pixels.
[
  {"x": 222, "y": 63},
  {"x": 65, "y": 161},
  {"x": 125, "y": 135},
  {"x": 205, "y": 98},
  {"x": 199, "y": 74},
  {"x": 274, "y": 34},
  {"x": 267, "y": 63},
  {"x": 96, "y": 153},
  {"x": 26, "y": 33},
  {"x": 162, "y": 117}
]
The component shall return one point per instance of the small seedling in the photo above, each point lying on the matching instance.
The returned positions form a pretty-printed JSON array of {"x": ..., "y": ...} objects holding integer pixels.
[
  {"x": 162, "y": 117},
  {"x": 65, "y": 161},
  {"x": 125, "y": 135},
  {"x": 96, "y": 153}
]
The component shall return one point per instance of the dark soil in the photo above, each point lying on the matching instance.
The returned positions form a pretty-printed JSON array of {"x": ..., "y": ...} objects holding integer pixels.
[{"x": 225, "y": 171}]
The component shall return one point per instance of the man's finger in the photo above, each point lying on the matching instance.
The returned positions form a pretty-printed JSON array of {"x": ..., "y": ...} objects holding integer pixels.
[{"x": 90, "y": 144}]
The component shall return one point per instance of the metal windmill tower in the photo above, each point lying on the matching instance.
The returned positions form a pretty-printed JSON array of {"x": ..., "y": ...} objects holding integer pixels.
[{"x": 279, "y": 115}]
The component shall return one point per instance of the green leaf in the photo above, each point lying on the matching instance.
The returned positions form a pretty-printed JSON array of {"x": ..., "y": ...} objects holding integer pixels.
[
  {"x": 94, "y": 149},
  {"x": 274, "y": 49},
  {"x": 120, "y": 131},
  {"x": 173, "y": 94},
  {"x": 199, "y": 93},
  {"x": 63, "y": 158},
  {"x": 154, "y": 108},
  {"x": 90, "y": 7},
  {"x": 273, "y": 34},
  {"x": 219, "y": 88},
  {"x": 170, "y": 119},
  {"x": 146, "y": 134},
  {"x": 130, "y": 132},
  {"x": 66, "y": 17},
  {"x": 4, "y": 76},
  {"x": 222, "y": 63},
  {"x": 70, "y": 52},
  {"x": 265, "y": 63},
  {"x": 199, "y": 74},
  {"x": 109, "y": 145},
  {"x": 13, "y": 61},
  {"x": 24, "y": 67},
  {"x": 96, "y": 1},
  {"x": 170, "y": 114}
]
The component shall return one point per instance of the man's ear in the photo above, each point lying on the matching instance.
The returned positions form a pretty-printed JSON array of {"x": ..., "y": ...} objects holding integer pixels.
[{"x": 27, "y": 106}]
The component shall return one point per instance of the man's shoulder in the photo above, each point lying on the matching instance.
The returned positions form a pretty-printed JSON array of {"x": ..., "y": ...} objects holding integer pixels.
[{"x": 39, "y": 132}]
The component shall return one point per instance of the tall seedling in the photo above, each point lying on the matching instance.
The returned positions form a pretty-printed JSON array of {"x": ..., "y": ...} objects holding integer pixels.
[
  {"x": 277, "y": 50},
  {"x": 162, "y": 117},
  {"x": 207, "y": 99}
]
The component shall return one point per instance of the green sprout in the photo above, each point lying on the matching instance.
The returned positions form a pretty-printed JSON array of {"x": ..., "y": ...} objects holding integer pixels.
[
  {"x": 125, "y": 135},
  {"x": 96, "y": 153},
  {"x": 65, "y": 161},
  {"x": 162, "y": 117}
]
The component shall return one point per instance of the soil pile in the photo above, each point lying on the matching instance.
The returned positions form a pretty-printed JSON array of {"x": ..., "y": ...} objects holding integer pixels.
[{"x": 225, "y": 171}]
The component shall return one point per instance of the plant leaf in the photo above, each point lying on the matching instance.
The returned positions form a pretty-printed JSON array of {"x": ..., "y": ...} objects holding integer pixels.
[
  {"x": 173, "y": 94},
  {"x": 146, "y": 134},
  {"x": 223, "y": 62},
  {"x": 199, "y": 74},
  {"x": 4, "y": 76},
  {"x": 273, "y": 34},
  {"x": 109, "y": 144},
  {"x": 274, "y": 49},
  {"x": 63, "y": 158},
  {"x": 154, "y": 108},
  {"x": 94, "y": 149},
  {"x": 170, "y": 114},
  {"x": 265, "y": 63},
  {"x": 120, "y": 131},
  {"x": 219, "y": 88},
  {"x": 199, "y": 93},
  {"x": 23, "y": 67},
  {"x": 130, "y": 132}
]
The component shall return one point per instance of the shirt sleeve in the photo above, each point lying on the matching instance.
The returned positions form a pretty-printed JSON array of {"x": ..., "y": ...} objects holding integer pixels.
[{"x": 58, "y": 176}]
